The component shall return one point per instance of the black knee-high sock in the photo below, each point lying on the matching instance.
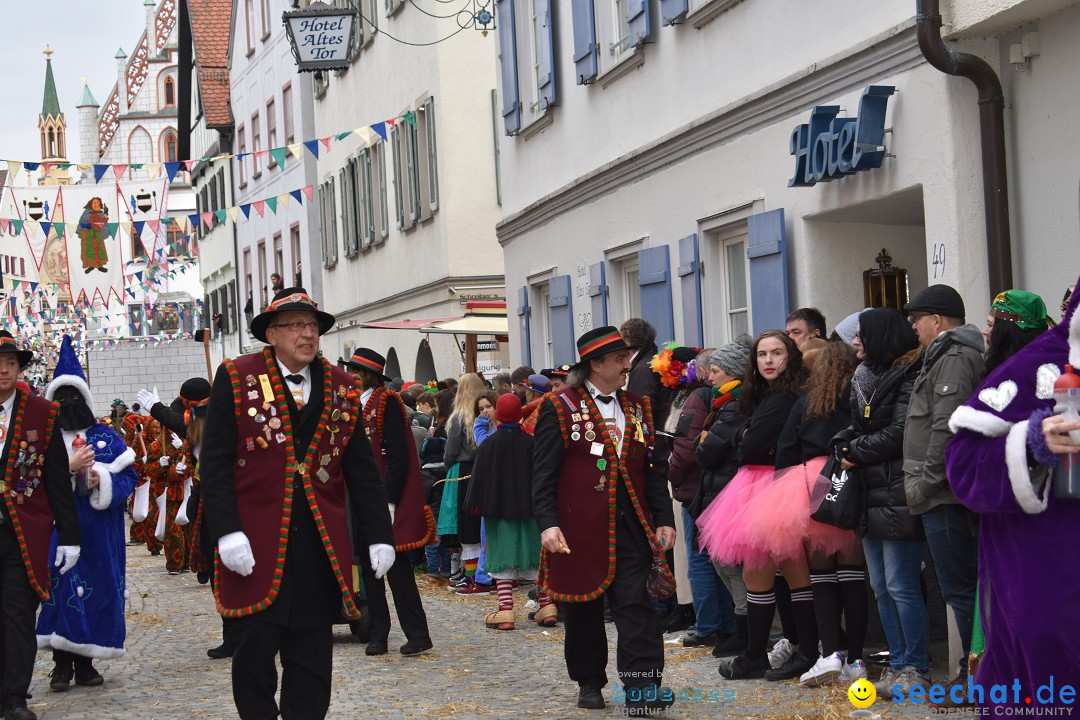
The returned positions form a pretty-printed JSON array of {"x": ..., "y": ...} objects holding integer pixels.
[
  {"x": 783, "y": 606},
  {"x": 852, "y": 582},
  {"x": 802, "y": 607},
  {"x": 826, "y": 591},
  {"x": 759, "y": 614}
]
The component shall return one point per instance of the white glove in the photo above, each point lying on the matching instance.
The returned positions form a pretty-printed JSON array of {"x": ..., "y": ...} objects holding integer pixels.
[
  {"x": 235, "y": 551},
  {"x": 181, "y": 468},
  {"x": 176, "y": 441},
  {"x": 164, "y": 461},
  {"x": 66, "y": 557},
  {"x": 392, "y": 507},
  {"x": 382, "y": 557},
  {"x": 147, "y": 398}
]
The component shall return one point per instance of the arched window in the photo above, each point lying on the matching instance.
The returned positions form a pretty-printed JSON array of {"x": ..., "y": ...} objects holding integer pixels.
[
  {"x": 52, "y": 143},
  {"x": 168, "y": 151},
  {"x": 170, "y": 91}
]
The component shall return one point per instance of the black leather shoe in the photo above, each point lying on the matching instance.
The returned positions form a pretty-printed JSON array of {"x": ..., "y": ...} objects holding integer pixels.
[
  {"x": 222, "y": 651},
  {"x": 695, "y": 640},
  {"x": 88, "y": 676},
  {"x": 741, "y": 667},
  {"x": 648, "y": 706},
  {"x": 795, "y": 666},
  {"x": 61, "y": 678},
  {"x": 589, "y": 697},
  {"x": 414, "y": 647},
  {"x": 20, "y": 712},
  {"x": 375, "y": 647}
]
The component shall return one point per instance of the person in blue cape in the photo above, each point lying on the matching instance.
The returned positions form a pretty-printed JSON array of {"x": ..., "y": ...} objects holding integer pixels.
[{"x": 84, "y": 618}]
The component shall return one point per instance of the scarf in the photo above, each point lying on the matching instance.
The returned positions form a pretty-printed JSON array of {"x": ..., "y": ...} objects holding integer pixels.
[{"x": 864, "y": 384}]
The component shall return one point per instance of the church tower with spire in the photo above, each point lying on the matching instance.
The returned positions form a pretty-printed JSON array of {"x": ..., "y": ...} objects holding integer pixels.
[{"x": 53, "y": 128}]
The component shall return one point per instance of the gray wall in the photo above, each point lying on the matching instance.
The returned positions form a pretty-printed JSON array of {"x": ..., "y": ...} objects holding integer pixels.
[{"x": 123, "y": 370}]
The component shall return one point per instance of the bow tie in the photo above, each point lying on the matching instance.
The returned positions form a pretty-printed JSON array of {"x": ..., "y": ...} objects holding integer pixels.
[
  {"x": 604, "y": 398},
  {"x": 295, "y": 379}
]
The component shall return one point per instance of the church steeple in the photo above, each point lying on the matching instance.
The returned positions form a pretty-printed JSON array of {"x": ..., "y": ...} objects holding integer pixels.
[{"x": 53, "y": 128}]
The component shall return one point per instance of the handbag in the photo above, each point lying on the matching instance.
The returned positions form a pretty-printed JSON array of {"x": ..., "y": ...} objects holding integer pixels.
[
  {"x": 141, "y": 507},
  {"x": 839, "y": 497},
  {"x": 660, "y": 584}
]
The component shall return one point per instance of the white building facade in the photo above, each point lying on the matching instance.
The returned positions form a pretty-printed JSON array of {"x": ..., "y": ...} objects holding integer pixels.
[
  {"x": 271, "y": 107},
  {"x": 650, "y": 170},
  {"x": 408, "y": 225}
]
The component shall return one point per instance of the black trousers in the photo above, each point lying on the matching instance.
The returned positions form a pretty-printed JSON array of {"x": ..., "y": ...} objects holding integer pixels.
[
  {"x": 640, "y": 647},
  {"x": 307, "y": 657},
  {"x": 18, "y": 637},
  {"x": 410, "y": 610}
]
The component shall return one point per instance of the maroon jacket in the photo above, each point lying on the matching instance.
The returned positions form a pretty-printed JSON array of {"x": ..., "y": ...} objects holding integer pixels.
[{"x": 684, "y": 473}]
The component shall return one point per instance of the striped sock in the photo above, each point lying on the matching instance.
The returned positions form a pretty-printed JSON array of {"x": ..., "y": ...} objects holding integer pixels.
[
  {"x": 470, "y": 567},
  {"x": 506, "y": 594},
  {"x": 543, "y": 598}
]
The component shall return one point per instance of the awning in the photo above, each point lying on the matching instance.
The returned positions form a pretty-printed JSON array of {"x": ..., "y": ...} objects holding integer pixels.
[
  {"x": 408, "y": 324},
  {"x": 481, "y": 318}
]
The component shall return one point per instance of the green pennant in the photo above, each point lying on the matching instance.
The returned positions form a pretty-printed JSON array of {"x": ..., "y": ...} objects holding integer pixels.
[
  {"x": 410, "y": 117},
  {"x": 271, "y": 202},
  {"x": 279, "y": 154},
  {"x": 110, "y": 229},
  {"x": 220, "y": 215},
  {"x": 343, "y": 135},
  {"x": 17, "y": 225}
]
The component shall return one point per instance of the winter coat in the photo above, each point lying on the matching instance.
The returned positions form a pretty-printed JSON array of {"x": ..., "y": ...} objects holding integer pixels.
[
  {"x": 757, "y": 446},
  {"x": 876, "y": 445},
  {"x": 684, "y": 472},
  {"x": 804, "y": 438},
  {"x": 951, "y": 368},
  {"x": 460, "y": 447},
  {"x": 716, "y": 454}
]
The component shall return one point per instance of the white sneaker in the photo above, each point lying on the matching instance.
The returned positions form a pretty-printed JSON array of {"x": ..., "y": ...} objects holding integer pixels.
[
  {"x": 825, "y": 670},
  {"x": 885, "y": 683},
  {"x": 852, "y": 672},
  {"x": 781, "y": 652}
]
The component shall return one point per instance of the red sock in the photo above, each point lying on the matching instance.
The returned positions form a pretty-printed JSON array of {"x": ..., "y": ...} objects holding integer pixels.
[
  {"x": 506, "y": 594},
  {"x": 543, "y": 598}
]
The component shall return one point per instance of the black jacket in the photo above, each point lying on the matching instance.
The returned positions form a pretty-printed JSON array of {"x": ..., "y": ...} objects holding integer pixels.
[
  {"x": 716, "y": 454},
  {"x": 757, "y": 445},
  {"x": 876, "y": 446},
  {"x": 169, "y": 418},
  {"x": 804, "y": 438}
]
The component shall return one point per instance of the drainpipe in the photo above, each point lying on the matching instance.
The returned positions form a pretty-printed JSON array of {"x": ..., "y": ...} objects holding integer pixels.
[{"x": 991, "y": 131}]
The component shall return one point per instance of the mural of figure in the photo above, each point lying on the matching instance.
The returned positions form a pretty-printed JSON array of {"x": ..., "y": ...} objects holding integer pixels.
[
  {"x": 92, "y": 234},
  {"x": 55, "y": 263}
]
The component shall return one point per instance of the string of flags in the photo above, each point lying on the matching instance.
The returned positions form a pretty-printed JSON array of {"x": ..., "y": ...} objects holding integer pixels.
[{"x": 368, "y": 134}]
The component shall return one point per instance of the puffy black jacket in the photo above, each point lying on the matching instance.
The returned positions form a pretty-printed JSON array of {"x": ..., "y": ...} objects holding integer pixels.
[
  {"x": 716, "y": 453},
  {"x": 876, "y": 446}
]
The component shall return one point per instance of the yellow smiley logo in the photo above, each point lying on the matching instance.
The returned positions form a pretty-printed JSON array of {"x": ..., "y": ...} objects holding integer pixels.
[{"x": 862, "y": 693}]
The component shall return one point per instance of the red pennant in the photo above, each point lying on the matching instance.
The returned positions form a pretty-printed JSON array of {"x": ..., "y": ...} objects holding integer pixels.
[
  {"x": 309, "y": 191},
  {"x": 326, "y": 141}
]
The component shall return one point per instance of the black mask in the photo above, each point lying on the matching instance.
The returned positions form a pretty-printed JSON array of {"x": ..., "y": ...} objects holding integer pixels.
[{"x": 74, "y": 412}]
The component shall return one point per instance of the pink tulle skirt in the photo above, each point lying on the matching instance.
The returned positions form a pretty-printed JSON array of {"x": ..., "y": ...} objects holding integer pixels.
[
  {"x": 778, "y": 520},
  {"x": 722, "y": 526}
]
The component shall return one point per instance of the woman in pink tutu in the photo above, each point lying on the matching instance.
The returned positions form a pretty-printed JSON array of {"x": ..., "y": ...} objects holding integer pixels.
[{"x": 771, "y": 388}]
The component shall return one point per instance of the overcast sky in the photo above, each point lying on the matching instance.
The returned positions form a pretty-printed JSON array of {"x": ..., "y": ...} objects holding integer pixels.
[{"x": 84, "y": 35}]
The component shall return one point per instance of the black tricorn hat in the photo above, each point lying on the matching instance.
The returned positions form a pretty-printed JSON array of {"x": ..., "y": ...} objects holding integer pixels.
[
  {"x": 7, "y": 345},
  {"x": 369, "y": 360},
  {"x": 294, "y": 298}
]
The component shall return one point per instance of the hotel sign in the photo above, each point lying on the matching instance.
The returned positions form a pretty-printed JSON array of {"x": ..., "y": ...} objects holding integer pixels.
[{"x": 321, "y": 36}]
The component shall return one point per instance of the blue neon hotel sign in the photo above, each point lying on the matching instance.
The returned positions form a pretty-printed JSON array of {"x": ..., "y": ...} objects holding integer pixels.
[{"x": 830, "y": 147}]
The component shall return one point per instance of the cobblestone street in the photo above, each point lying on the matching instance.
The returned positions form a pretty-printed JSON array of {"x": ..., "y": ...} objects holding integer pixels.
[{"x": 471, "y": 673}]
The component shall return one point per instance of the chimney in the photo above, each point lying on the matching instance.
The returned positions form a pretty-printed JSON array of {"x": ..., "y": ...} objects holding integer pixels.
[
  {"x": 151, "y": 21},
  {"x": 121, "y": 80}
]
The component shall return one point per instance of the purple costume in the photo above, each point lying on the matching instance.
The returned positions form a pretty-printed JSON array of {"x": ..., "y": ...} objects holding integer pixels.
[{"x": 1029, "y": 540}]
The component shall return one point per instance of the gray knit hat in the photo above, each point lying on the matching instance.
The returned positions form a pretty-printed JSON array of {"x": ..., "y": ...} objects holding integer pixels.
[{"x": 734, "y": 357}]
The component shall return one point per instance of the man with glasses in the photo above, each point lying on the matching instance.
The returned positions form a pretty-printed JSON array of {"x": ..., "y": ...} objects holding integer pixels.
[
  {"x": 280, "y": 452},
  {"x": 952, "y": 367}
]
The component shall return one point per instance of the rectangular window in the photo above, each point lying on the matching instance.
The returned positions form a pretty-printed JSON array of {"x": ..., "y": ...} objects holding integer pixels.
[
  {"x": 279, "y": 260},
  {"x": 366, "y": 198},
  {"x": 263, "y": 300},
  {"x": 631, "y": 291},
  {"x": 137, "y": 319},
  {"x": 545, "y": 331},
  {"x": 736, "y": 270},
  {"x": 287, "y": 108},
  {"x": 265, "y": 19},
  {"x": 294, "y": 247},
  {"x": 348, "y": 209},
  {"x": 271, "y": 130},
  {"x": 221, "y": 189},
  {"x": 383, "y": 225},
  {"x": 249, "y": 24},
  {"x": 328, "y": 207},
  {"x": 241, "y": 148},
  {"x": 429, "y": 177},
  {"x": 256, "y": 146},
  {"x": 249, "y": 304},
  {"x": 401, "y": 192},
  {"x": 412, "y": 173},
  {"x": 370, "y": 21}
]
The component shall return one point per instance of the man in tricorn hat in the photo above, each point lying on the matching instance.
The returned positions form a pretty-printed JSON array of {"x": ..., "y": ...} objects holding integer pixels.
[
  {"x": 281, "y": 448},
  {"x": 395, "y": 453},
  {"x": 594, "y": 479},
  {"x": 32, "y": 455}
]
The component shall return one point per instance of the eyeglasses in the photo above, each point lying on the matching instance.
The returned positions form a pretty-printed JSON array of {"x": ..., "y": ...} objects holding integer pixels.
[
  {"x": 298, "y": 326},
  {"x": 916, "y": 317}
]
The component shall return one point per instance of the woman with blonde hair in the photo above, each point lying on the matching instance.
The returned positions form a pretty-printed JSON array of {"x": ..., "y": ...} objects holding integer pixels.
[{"x": 457, "y": 527}]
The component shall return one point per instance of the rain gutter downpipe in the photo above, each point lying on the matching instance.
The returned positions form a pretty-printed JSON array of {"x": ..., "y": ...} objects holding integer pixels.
[{"x": 992, "y": 137}]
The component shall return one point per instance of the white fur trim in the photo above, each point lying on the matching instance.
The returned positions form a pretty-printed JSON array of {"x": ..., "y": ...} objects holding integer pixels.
[
  {"x": 97, "y": 652},
  {"x": 122, "y": 461},
  {"x": 101, "y": 496},
  {"x": 1017, "y": 463},
  {"x": 966, "y": 417},
  {"x": 74, "y": 381},
  {"x": 1074, "y": 338}
]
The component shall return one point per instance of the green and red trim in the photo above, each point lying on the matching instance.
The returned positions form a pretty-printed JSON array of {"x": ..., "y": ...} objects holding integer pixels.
[
  {"x": 599, "y": 342},
  {"x": 367, "y": 363}
]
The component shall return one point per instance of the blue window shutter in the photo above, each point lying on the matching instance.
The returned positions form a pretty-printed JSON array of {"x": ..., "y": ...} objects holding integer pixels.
[
  {"x": 654, "y": 279},
  {"x": 523, "y": 325},
  {"x": 562, "y": 319},
  {"x": 598, "y": 292},
  {"x": 690, "y": 286},
  {"x": 545, "y": 54},
  {"x": 767, "y": 250},
  {"x": 672, "y": 11},
  {"x": 637, "y": 16},
  {"x": 511, "y": 107},
  {"x": 585, "y": 54}
]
